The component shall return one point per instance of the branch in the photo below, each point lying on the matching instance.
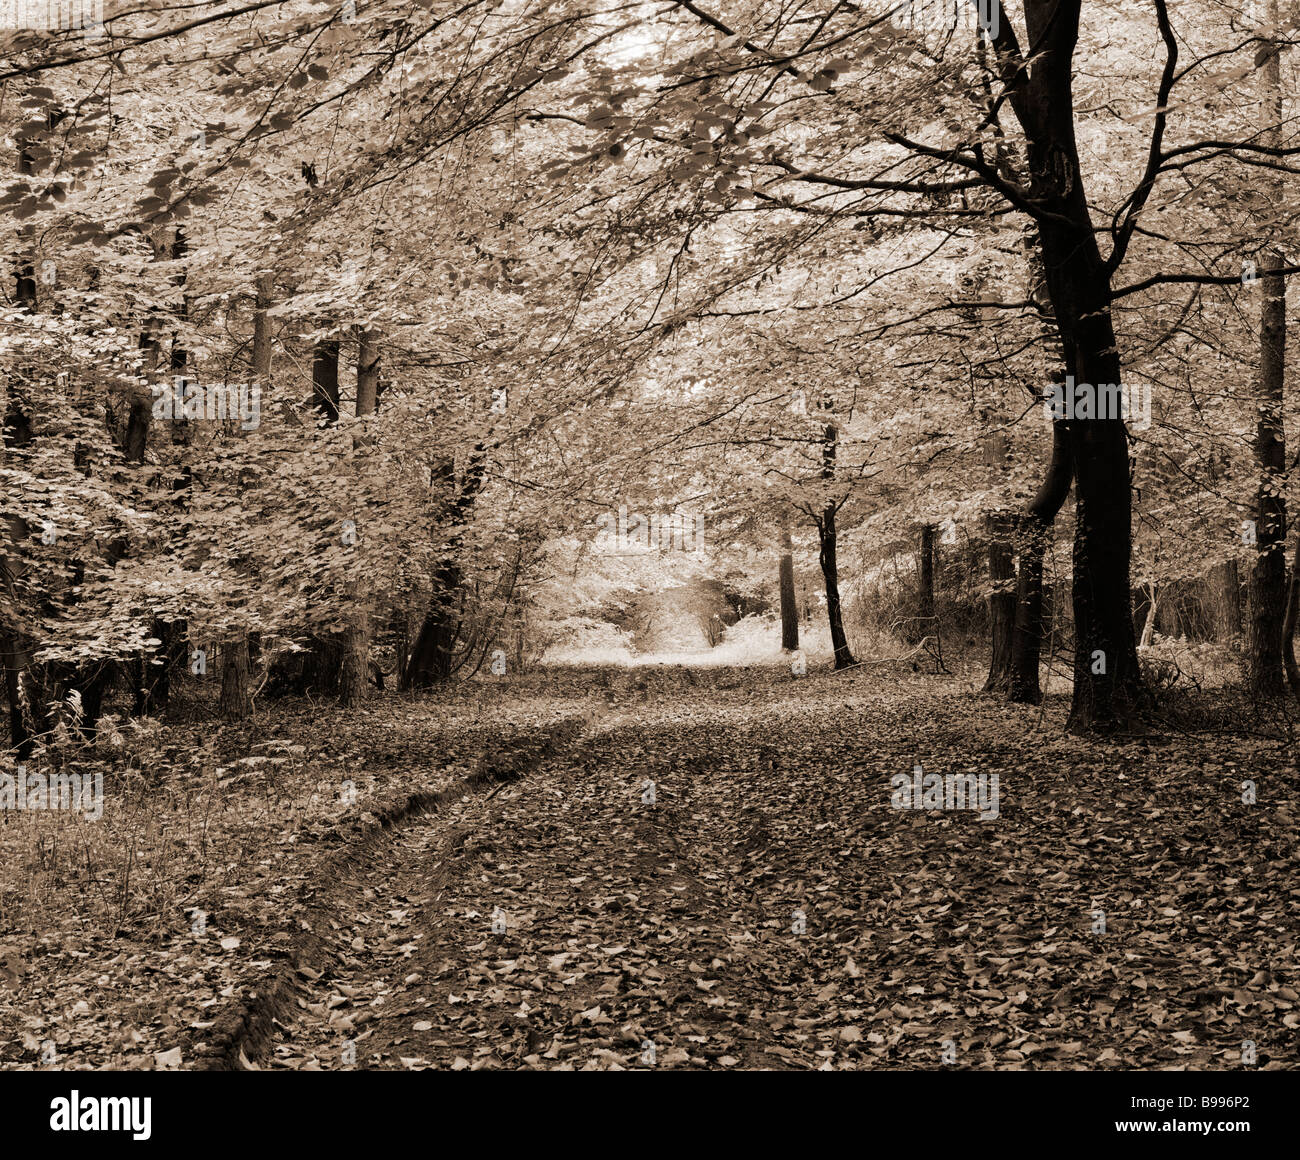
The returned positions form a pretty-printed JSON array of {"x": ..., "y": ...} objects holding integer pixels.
[
  {"x": 1013, "y": 194},
  {"x": 1197, "y": 279},
  {"x": 1138, "y": 199}
]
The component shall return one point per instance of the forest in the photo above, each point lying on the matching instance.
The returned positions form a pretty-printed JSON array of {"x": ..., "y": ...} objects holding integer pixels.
[{"x": 649, "y": 534}]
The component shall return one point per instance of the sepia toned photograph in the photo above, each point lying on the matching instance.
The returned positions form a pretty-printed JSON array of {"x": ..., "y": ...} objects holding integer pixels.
[{"x": 650, "y": 536}]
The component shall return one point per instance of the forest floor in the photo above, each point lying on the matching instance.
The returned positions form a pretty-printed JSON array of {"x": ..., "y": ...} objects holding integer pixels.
[{"x": 670, "y": 869}]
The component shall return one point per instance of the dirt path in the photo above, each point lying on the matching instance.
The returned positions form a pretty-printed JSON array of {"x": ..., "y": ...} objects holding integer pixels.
[{"x": 769, "y": 909}]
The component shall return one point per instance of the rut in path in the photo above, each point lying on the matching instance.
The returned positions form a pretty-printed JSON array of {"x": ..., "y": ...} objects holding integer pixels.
[{"x": 624, "y": 926}]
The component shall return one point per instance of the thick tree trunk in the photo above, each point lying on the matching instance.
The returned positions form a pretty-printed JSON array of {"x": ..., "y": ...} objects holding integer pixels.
[
  {"x": 153, "y": 675},
  {"x": 15, "y": 660},
  {"x": 92, "y": 680},
  {"x": 354, "y": 674},
  {"x": 1038, "y": 81},
  {"x": 789, "y": 605},
  {"x": 325, "y": 379},
  {"x": 368, "y": 364},
  {"x": 1027, "y": 639},
  {"x": 432, "y": 656},
  {"x": 1108, "y": 692},
  {"x": 236, "y": 696},
  {"x": 1268, "y": 598},
  {"x": 1225, "y": 584},
  {"x": 1267, "y": 586},
  {"x": 137, "y": 430},
  {"x": 1002, "y": 601}
]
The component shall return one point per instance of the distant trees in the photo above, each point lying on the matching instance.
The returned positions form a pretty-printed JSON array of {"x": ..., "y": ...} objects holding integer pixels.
[{"x": 531, "y": 235}]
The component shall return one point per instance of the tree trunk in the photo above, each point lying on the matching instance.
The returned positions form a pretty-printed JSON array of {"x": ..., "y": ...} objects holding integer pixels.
[
  {"x": 236, "y": 697},
  {"x": 1289, "y": 624},
  {"x": 1149, "y": 624},
  {"x": 22, "y": 733},
  {"x": 325, "y": 379},
  {"x": 236, "y": 702},
  {"x": 1027, "y": 639},
  {"x": 1037, "y": 85},
  {"x": 1268, "y": 595},
  {"x": 830, "y": 573},
  {"x": 354, "y": 674},
  {"x": 23, "y": 680},
  {"x": 153, "y": 678},
  {"x": 137, "y": 430},
  {"x": 18, "y": 433},
  {"x": 319, "y": 671},
  {"x": 261, "y": 353},
  {"x": 1002, "y": 601},
  {"x": 925, "y": 583},
  {"x": 432, "y": 660},
  {"x": 1034, "y": 531},
  {"x": 1225, "y": 583},
  {"x": 353, "y": 684},
  {"x": 179, "y": 354},
  {"x": 1268, "y": 584},
  {"x": 789, "y": 606},
  {"x": 368, "y": 363},
  {"x": 1108, "y": 691},
  {"x": 827, "y": 556},
  {"x": 153, "y": 689}
]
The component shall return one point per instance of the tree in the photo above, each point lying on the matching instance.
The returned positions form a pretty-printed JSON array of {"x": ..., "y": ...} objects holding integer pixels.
[{"x": 1268, "y": 579}]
